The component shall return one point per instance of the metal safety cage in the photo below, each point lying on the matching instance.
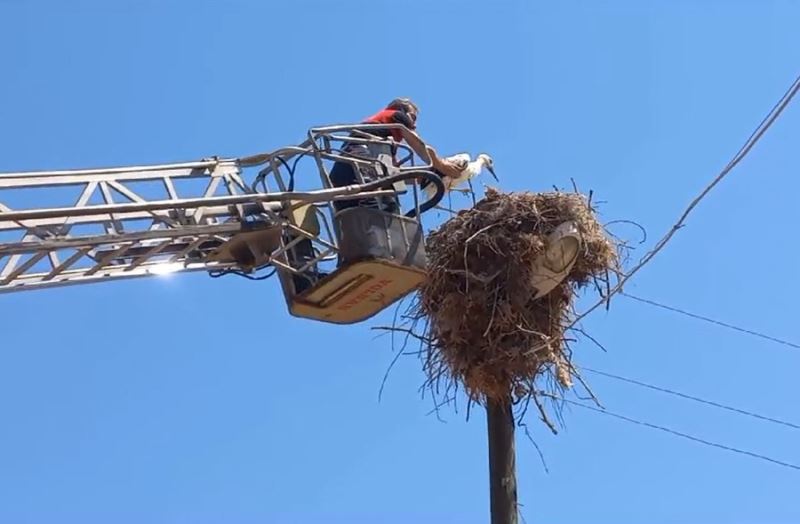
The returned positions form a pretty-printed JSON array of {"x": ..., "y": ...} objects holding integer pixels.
[{"x": 320, "y": 239}]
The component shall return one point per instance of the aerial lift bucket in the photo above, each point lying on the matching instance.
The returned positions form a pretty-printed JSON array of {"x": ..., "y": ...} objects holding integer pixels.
[
  {"x": 382, "y": 259},
  {"x": 379, "y": 252}
]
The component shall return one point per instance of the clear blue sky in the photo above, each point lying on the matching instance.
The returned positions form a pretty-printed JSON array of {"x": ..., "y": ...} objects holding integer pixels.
[{"x": 192, "y": 400}]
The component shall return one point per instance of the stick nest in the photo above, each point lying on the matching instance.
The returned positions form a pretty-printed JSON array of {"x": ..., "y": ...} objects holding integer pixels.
[{"x": 484, "y": 332}]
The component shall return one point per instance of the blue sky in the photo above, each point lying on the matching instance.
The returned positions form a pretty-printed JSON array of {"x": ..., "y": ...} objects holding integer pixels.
[{"x": 194, "y": 400}]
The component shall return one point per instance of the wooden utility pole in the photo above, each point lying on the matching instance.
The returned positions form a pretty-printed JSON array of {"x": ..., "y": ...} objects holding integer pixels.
[{"x": 502, "y": 463}]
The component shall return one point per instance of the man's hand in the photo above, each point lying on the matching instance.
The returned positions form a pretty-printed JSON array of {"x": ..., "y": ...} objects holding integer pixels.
[
  {"x": 447, "y": 167},
  {"x": 461, "y": 164}
]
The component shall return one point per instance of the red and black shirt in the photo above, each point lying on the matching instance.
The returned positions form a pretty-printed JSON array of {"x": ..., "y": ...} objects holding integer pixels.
[{"x": 391, "y": 116}]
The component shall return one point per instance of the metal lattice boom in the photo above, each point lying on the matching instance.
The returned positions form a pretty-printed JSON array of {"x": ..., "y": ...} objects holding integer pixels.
[{"x": 125, "y": 222}]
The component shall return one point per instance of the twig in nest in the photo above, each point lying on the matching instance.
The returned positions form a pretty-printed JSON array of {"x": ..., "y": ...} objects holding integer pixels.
[
  {"x": 442, "y": 208},
  {"x": 532, "y": 332},
  {"x": 525, "y": 403},
  {"x": 481, "y": 230},
  {"x": 584, "y": 384},
  {"x": 587, "y": 335},
  {"x": 631, "y": 222},
  {"x": 543, "y": 414},
  {"x": 393, "y": 329},
  {"x": 484, "y": 279},
  {"x": 394, "y": 320},
  {"x": 408, "y": 331},
  {"x": 386, "y": 375},
  {"x": 491, "y": 319},
  {"x": 436, "y": 406},
  {"x": 466, "y": 246},
  {"x": 535, "y": 445}
]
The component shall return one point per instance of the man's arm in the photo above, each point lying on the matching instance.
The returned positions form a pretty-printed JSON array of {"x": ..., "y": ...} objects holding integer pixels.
[{"x": 445, "y": 167}]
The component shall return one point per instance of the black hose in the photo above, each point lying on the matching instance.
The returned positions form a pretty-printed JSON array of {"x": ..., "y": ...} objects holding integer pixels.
[
  {"x": 223, "y": 272},
  {"x": 291, "y": 170},
  {"x": 382, "y": 183},
  {"x": 379, "y": 184},
  {"x": 263, "y": 173},
  {"x": 434, "y": 201}
]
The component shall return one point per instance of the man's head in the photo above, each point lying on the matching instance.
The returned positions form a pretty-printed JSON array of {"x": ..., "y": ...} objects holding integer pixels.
[{"x": 405, "y": 105}]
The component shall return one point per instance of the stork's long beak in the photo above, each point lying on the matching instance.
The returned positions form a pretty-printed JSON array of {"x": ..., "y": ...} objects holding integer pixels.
[{"x": 491, "y": 170}]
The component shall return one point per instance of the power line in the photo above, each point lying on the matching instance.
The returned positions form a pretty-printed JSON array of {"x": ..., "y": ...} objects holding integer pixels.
[
  {"x": 751, "y": 141},
  {"x": 680, "y": 434},
  {"x": 690, "y": 397},
  {"x": 712, "y": 321}
]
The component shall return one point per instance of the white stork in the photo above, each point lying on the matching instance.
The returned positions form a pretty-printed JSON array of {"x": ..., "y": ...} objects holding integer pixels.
[{"x": 473, "y": 169}]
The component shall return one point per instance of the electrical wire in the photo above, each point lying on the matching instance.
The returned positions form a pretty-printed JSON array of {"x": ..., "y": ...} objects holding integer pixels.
[
  {"x": 680, "y": 434},
  {"x": 712, "y": 321},
  {"x": 691, "y": 397},
  {"x": 754, "y": 137}
]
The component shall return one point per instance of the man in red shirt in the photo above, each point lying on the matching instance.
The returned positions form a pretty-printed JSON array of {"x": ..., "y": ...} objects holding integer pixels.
[{"x": 398, "y": 111}]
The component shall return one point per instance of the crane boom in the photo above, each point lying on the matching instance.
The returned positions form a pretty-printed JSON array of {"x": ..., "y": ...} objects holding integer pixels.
[
  {"x": 120, "y": 223},
  {"x": 60, "y": 228}
]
